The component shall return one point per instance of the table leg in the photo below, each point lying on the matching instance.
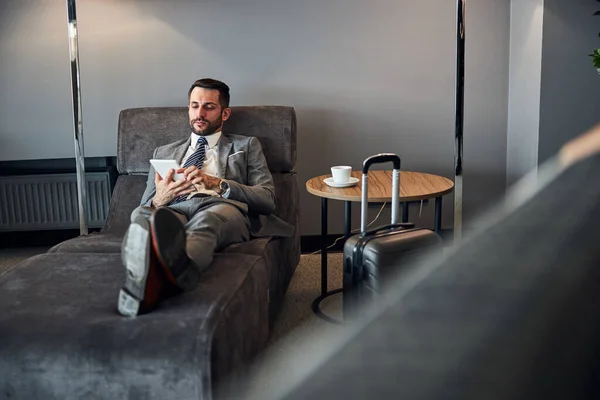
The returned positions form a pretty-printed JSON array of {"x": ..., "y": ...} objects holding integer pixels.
[
  {"x": 323, "y": 245},
  {"x": 437, "y": 225},
  {"x": 348, "y": 220},
  {"x": 405, "y": 211},
  {"x": 324, "y": 293}
]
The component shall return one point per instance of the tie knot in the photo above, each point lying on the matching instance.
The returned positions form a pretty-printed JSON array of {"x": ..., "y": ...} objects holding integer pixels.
[{"x": 201, "y": 141}]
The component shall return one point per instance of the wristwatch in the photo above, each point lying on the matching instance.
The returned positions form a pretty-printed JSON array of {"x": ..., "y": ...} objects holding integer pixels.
[{"x": 223, "y": 187}]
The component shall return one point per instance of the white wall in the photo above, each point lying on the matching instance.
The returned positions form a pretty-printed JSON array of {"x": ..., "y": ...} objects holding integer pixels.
[
  {"x": 364, "y": 77},
  {"x": 486, "y": 104},
  {"x": 570, "y": 93},
  {"x": 526, "y": 30},
  {"x": 35, "y": 93}
]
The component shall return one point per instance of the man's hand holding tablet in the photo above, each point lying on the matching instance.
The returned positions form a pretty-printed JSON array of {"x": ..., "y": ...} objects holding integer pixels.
[
  {"x": 169, "y": 184},
  {"x": 163, "y": 167}
]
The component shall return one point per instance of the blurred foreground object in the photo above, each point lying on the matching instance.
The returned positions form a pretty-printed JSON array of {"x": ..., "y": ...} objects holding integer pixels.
[{"x": 512, "y": 313}]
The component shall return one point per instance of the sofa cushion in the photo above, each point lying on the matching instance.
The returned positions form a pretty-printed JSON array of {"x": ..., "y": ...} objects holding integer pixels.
[
  {"x": 95, "y": 242},
  {"x": 288, "y": 209},
  {"x": 125, "y": 198},
  {"x": 141, "y": 130},
  {"x": 63, "y": 338}
]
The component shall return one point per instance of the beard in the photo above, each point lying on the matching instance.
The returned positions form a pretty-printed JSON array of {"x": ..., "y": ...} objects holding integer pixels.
[{"x": 209, "y": 128}]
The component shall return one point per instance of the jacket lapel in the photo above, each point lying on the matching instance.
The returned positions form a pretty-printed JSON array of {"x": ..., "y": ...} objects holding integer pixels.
[
  {"x": 223, "y": 150},
  {"x": 180, "y": 151}
]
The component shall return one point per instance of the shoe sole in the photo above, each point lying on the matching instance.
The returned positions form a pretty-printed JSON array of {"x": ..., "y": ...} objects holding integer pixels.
[
  {"x": 129, "y": 306},
  {"x": 169, "y": 241},
  {"x": 135, "y": 254}
]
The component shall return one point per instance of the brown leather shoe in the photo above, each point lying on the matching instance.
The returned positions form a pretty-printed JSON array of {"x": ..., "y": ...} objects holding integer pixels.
[
  {"x": 169, "y": 244},
  {"x": 144, "y": 280}
]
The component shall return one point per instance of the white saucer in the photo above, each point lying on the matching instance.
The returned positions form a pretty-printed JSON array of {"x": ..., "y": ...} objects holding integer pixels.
[{"x": 329, "y": 182}]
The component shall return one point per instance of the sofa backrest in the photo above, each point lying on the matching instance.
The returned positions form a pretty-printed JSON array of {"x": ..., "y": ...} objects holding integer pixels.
[{"x": 141, "y": 130}]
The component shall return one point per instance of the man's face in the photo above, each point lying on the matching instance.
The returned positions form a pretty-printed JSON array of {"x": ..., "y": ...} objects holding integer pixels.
[{"x": 205, "y": 111}]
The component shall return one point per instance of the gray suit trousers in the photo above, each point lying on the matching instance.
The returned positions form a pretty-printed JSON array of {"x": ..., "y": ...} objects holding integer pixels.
[{"x": 210, "y": 226}]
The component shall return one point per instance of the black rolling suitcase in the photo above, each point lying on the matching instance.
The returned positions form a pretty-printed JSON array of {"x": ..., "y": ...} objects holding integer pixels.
[{"x": 371, "y": 257}]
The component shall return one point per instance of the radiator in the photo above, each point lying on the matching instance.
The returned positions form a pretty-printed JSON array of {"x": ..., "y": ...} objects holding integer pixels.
[{"x": 42, "y": 202}]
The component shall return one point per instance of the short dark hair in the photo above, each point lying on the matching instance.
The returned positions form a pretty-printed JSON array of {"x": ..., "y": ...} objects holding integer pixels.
[{"x": 208, "y": 83}]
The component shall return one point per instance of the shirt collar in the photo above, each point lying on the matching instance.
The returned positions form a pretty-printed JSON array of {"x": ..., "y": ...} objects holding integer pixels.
[{"x": 211, "y": 139}]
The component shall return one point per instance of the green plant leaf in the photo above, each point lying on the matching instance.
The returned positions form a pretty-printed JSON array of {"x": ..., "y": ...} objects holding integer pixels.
[{"x": 596, "y": 58}]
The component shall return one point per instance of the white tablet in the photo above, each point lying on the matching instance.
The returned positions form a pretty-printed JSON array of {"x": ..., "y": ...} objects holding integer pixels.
[{"x": 163, "y": 166}]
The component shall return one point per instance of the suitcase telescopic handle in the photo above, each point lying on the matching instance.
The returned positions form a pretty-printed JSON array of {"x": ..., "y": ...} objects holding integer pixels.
[{"x": 378, "y": 159}]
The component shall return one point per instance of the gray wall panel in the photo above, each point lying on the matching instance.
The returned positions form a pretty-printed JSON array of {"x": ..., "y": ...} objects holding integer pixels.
[
  {"x": 486, "y": 104},
  {"x": 526, "y": 32}
]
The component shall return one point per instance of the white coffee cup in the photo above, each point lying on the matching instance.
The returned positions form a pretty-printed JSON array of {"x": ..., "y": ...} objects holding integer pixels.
[{"x": 341, "y": 173}]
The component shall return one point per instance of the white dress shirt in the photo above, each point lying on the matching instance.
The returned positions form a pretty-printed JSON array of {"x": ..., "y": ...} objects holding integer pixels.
[
  {"x": 210, "y": 166},
  {"x": 211, "y": 161}
]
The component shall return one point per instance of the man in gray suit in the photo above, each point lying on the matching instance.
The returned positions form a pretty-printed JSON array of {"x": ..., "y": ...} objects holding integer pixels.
[{"x": 225, "y": 196}]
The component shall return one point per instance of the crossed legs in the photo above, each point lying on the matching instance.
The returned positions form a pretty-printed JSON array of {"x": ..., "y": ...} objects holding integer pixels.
[{"x": 167, "y": 249}]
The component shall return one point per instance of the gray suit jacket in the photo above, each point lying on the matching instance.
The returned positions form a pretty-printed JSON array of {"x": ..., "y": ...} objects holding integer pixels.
[{"x": 242, "y": 163}]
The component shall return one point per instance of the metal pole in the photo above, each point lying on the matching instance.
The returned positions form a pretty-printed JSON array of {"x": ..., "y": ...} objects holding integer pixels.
[
  {"x": 460, "y": 112},
  {"x": 77, "y": 118}
]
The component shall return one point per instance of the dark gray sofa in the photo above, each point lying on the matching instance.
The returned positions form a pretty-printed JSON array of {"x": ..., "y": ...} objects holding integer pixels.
[{"x": 60, "y": 333}]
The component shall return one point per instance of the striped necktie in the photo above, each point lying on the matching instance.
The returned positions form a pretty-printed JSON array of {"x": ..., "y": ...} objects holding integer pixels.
[{"x": 197, "y": 159}]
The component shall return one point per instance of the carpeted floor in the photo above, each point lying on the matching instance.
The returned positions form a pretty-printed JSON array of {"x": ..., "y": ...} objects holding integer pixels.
[{"x": 295, "y": 318}]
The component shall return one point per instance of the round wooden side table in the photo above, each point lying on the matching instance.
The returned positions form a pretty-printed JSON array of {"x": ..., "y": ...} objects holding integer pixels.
[{"x": 414, "y": 186}]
